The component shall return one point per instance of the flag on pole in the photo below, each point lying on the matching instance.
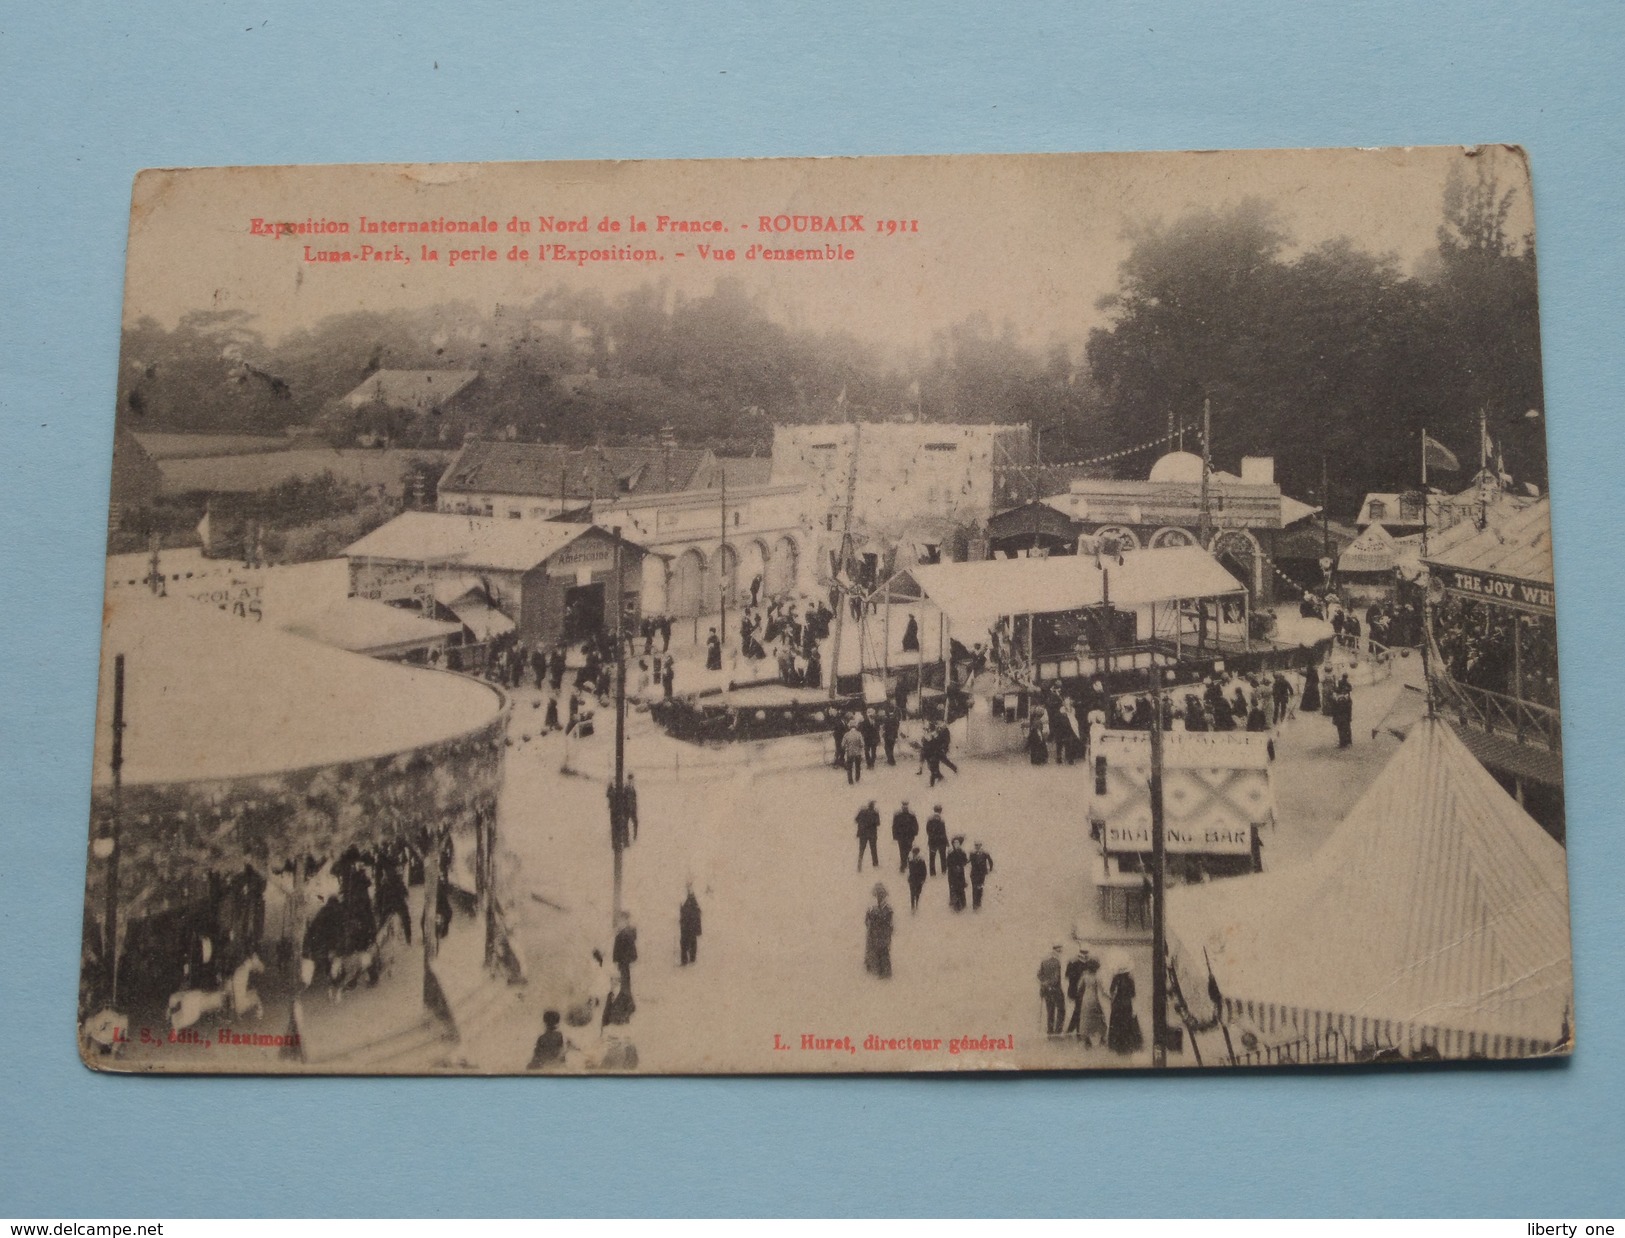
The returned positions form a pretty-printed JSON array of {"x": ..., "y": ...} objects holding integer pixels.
[{"x": 1435, "y": 455}]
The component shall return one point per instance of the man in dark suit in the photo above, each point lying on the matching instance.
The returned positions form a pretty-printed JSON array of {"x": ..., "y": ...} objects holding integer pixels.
[
  {"x": 905, "y": 828},
  {"x": 871, "y": 737},
  {"x": 981, "y": 864},
  {"x": 936, "y": 839},
  {"x": 955, "y": 866},
  {"x": 868, "y": 820},
  {"x": 916, "y": 879},
  {"x": 688, "y": 929},
  {"x": 625, "y": 951}
]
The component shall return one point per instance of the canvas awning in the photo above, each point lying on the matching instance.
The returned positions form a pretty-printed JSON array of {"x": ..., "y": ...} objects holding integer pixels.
[
  {"x": 978, "y": 594},
  {"x": 361, "y": 625},
  {"x": 209, "y": 695},
  {"x": 482, "y": 620},
  {"x": 1509, "y": 560},
  {"x": 1437, "y": 913}
]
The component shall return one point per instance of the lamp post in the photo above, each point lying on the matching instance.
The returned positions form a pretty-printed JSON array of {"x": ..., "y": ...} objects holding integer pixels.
[{"x": 617, "y": 809}]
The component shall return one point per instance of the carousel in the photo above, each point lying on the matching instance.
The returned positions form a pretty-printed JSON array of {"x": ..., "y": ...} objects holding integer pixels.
[{"x": 290, "y": 847}]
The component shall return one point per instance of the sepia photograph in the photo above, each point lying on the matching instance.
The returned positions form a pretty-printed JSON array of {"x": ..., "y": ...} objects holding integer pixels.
[{"x": 1052, "y": 612}]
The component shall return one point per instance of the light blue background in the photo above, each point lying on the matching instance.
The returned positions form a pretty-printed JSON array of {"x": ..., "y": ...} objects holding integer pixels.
[{"x": 94, "y": 92}]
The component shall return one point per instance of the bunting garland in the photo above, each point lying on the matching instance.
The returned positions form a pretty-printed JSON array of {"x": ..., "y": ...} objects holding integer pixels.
[{"x": 1163, "y": 440}]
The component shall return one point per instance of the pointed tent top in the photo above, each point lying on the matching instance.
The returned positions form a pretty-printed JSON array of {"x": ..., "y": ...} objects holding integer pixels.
[{"x": 1438, "y": 903}]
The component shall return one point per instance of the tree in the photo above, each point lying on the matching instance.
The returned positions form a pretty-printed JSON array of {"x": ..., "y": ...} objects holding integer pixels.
[
  {"x": 1197, "y": 315},
  {"x": 1485, "y": 302},
  {"x": 1331, "y": 353}
]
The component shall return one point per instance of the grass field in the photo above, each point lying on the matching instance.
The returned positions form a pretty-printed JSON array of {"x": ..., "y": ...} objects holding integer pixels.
[
  {"x": 243, "y": 474},
  {"x": 186, "y": 446}
]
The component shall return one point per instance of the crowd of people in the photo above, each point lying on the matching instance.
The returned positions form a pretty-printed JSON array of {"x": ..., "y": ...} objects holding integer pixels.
[
  {"x": 1119, "y": 1031},
  {"x": 1498, "y": 649},
  {"x": 963, "y": 870},
  {"x": 200, "y": 957},
  {"x": 555, "y": 1051},
  {"x": 1382, "y": 625},
  {"x": 783, "y": 631},
  {"x": 1063, "y": 721}
]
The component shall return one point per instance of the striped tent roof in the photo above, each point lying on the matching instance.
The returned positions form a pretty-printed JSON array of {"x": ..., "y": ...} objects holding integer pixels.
[
  {"x": 1515, "y": 541},
  {"x": 1438, "y": 903}
]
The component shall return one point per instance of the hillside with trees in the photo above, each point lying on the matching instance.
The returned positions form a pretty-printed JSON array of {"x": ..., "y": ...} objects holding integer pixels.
[{"x": 1328, "y": 351}]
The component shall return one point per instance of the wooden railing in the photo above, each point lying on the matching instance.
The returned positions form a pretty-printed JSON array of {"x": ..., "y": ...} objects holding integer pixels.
[
  {"x": 1327, "y": 1046},
  {"x": 1523, "y": 721}
]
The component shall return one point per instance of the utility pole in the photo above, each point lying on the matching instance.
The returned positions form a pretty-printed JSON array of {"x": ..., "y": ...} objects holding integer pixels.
[
  {"x": 1427, "y": 601},
  {"x": 1325, "y": 504},
  {"x": 841, "y": 599},
  {"x": 1205, "y": 516},
  {"x": 617, "y": 816},
  {"x": 1159, "y": 930},
  {"x": 722, "y": 566},
  {"x": 155, "y": 575},
  {"x": 111, "y": 906}
]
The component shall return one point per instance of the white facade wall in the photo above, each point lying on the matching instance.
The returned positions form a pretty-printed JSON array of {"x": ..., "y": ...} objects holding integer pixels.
[{"x": 906, "y": 473}]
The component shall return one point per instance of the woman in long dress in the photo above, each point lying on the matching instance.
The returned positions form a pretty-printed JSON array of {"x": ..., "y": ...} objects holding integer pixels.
[
  {"x": 877, "y": 936},
  {"x": 1092, "y": 1023},
  {"x": 1123, "y": 1032},
  {"x": 1310, "y": 704},
  {"x": 1038, "y": 734}
]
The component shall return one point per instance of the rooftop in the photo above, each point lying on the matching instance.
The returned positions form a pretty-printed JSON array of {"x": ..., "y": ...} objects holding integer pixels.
[
  {"x": 415, "y": 391},
  {"x": 551, "y": 470},
  {"x": 1516, "y": 541},
  {"x": 468, "y": 541}
]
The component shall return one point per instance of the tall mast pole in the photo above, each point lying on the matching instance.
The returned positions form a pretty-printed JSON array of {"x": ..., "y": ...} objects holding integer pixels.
[
  {"x": 722, "y": 566},
  {"x": 1427, "y": 601},
  {"x": 1204, "y": 518},
  {"x": 1204, "y": 514},
  {"x": 111, "y": 909},
  {"x": 1159, "y": 930},
  {"x": 618, "y": 817},
  {"x": 1325, "y": 505},
  {"x": 846, "y": 534}
]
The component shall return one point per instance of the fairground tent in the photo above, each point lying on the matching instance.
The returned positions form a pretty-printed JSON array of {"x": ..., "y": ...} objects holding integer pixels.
[
  {"x": 1436, "y": 915},
  {"x": 209, "y": 695},
  {"x": 976, "y": 595}
]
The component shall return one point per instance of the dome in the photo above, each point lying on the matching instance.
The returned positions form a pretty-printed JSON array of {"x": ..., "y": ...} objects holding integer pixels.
[{"x": 1178, "y": 466}]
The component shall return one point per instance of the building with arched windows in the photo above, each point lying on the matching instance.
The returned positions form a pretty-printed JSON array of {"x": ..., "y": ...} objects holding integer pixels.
[{"x": 1244, "y": 516}]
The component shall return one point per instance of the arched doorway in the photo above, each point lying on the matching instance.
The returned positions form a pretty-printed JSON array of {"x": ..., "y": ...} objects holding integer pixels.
[
  {"x": 781, "y": 567},
  {"x": 1241, "y": 555},
  {"x": 728, "y": 576},
  {"x": 1114, "y": 540},
  {"x": 1172, "y": 536},
  {"x": 688, "y": 587},
  {"x": 753, "y": 565},
  {"x": 656, "y": 585}
]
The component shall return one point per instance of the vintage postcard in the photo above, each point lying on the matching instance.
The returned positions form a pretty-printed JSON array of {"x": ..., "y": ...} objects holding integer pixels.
[{"x": 1057, "y": 612}]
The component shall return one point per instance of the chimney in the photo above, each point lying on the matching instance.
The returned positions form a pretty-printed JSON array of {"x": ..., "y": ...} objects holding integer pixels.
[{"x": 1258, "y": 470}]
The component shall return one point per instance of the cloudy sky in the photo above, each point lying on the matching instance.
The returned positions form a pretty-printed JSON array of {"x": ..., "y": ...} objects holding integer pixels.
[{"x": 1033, "y": 240}]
